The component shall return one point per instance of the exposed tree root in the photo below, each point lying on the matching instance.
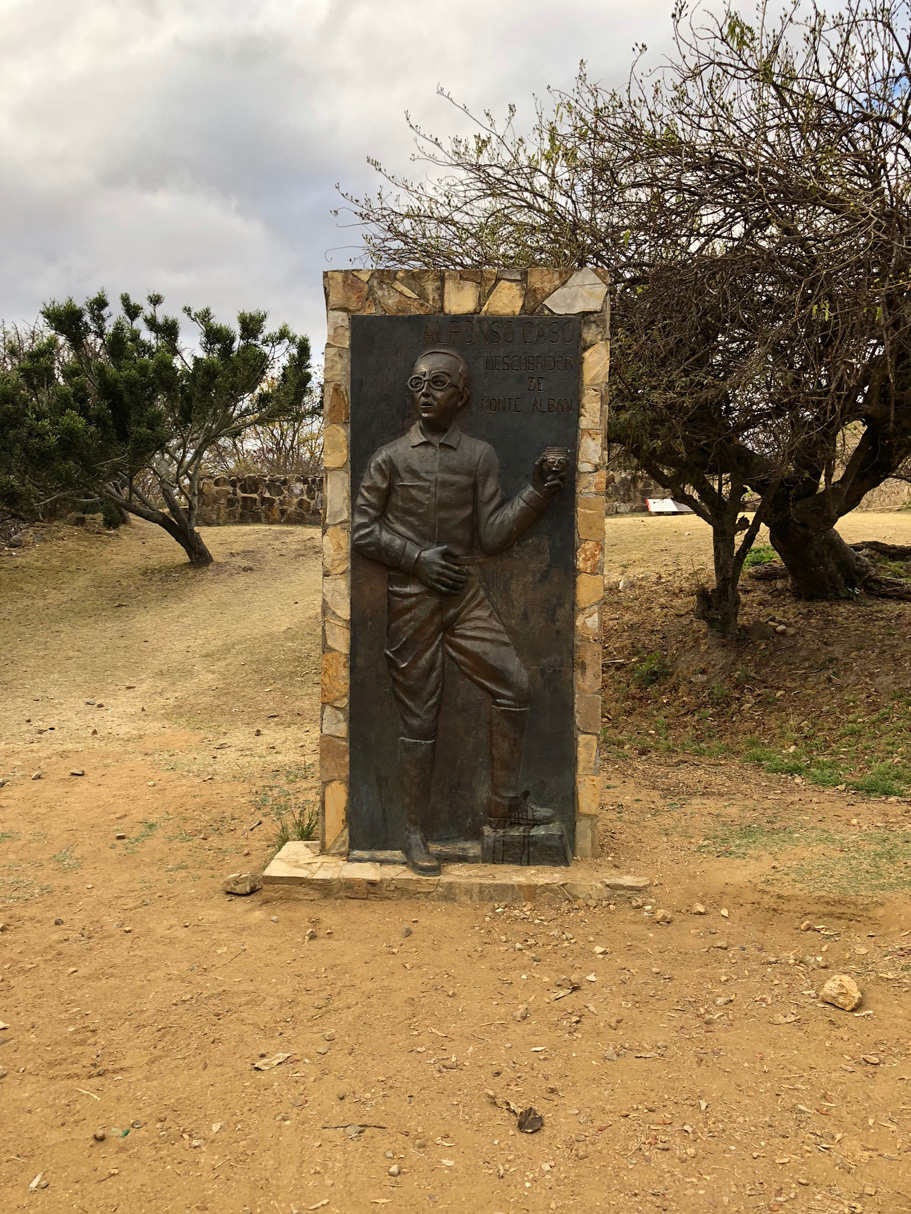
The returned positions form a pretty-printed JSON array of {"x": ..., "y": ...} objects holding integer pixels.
[{"x": 892, "y": 552}]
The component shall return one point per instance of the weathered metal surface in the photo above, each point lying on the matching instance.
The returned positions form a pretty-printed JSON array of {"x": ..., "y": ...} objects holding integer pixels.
[{"x": 524, "y": 392}]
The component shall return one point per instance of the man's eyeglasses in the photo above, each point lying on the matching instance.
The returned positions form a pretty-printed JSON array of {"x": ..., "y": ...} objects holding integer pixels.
[{"x": 438, "y": 380}]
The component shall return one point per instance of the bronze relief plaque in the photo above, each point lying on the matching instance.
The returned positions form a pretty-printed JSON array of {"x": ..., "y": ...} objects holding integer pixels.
[{"x": 463, "y": 437}]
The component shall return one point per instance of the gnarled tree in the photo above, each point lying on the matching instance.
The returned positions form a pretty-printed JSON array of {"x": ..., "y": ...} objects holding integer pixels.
[
  {"x": 752, "y": 198},
  {"x": 101, "y": 409}
]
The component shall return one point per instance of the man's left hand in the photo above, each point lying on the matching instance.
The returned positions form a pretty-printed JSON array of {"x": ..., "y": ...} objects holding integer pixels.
[{"x": 547, "y": 480}]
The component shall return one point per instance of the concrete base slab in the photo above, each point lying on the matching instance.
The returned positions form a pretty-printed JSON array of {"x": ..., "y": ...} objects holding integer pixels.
[{"x": 300, "y": 872}]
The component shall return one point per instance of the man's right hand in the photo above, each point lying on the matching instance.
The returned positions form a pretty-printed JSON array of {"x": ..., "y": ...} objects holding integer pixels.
[{"x": 437, "y": 568}]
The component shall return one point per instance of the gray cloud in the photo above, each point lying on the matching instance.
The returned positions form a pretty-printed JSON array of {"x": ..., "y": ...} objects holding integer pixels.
[{"x": 193, "y": 146}]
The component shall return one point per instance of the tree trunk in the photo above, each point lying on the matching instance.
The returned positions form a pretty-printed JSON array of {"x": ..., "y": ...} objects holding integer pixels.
[
  {"x": 719, "y": 606},
  {"x": 821, "y": 564},
  {"x": 192, "y": 543},
  {"x": 188, "y": 537}
]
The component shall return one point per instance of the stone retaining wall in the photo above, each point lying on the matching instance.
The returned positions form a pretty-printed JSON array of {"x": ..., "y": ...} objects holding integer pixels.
[{"x": 260, "y": 499}]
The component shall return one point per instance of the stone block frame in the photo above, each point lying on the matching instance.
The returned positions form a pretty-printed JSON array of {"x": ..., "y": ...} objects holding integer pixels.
[{"x": 486, "y": 292}]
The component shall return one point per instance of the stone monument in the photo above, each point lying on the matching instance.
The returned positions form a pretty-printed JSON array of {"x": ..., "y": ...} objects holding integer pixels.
[{"x": 463, "y": 536}]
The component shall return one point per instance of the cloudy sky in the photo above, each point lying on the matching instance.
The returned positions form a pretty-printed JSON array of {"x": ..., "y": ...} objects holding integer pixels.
[{"x": 193, "y": 146}]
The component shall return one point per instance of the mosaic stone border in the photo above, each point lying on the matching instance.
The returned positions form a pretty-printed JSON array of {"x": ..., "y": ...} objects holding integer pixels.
[{"x": 539, "y": 291}]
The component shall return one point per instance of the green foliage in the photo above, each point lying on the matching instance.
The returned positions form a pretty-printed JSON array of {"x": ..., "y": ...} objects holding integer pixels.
[
  {"x": 650, "y": 668},
  {"x": 761, "y": 554},
  {"x": 95, "y": 407},
  {"x": 301, "y": 825}
]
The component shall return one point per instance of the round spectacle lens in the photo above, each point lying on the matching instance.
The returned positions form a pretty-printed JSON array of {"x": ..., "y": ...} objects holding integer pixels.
[{"x": 438, "y": 380}]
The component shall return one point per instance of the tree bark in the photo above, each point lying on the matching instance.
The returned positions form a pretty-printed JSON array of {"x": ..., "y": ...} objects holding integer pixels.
[
  {"x": 820, "y": 563},
  {"x": 719, "y": 606},
  {"x": 191, "y": 542},
  {"x": 182, "y": 530}
]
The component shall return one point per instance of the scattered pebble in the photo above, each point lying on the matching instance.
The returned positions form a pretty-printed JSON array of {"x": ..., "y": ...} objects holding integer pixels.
[
  {"x": 99, "y": 1135},
  {"x": 663, "y": 916},
  {"x": 77, "y": 771},
  {"x": 698, "y": 909},
  {"x": 242, "y": 884},
  {"x": 395, "y": 1170},
  {"x": 406, "y": 932},
  {"x": 841, "y": 991}
]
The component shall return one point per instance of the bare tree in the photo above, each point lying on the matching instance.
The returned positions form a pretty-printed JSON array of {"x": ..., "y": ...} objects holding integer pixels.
[{"x": 751, "y": 198}]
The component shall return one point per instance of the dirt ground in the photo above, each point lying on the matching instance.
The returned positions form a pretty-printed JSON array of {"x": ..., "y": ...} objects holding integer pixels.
[{"x": 156, "y": 724}]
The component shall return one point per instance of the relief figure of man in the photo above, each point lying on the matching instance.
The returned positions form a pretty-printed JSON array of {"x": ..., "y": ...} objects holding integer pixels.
[{"x": 429, "y": 504}]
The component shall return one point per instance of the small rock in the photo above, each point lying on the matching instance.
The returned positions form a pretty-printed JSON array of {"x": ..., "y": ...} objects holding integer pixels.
[
  {"x": 625, "y": 583},
  {"x": 611, "y": 1055},
  {"x": 841, "y": 991},
  {"x": 99, "y": 1135},
  {"x": 77, "y": 771},
  {"x": 663, "y": 916},
  {"x": 272, "y": 918},
  {"x": 521, "y": 1013},
  {"x": 759, "y": 630},
  {"x": 631, "y": 884},
  {"x": 406, "y": 932},
  {"x": 720, "y": 944},
  {"x": 599, "y": 950},
  {"x": 37, "y": 775},
  {"x": 242, "y": 884},
  {"x": 395, "y": 1170},
  {"x": 781, "y": 630},
  {"x": 58, "y": 922},
  {"x": 420, "y": 1144},
  {"x": 870, "y": 1059},
  {"x": 698, "y": 909},
  {"x": 120, "y": 835}
]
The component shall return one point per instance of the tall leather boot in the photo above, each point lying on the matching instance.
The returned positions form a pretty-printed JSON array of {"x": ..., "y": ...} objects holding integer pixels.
[
  {"x": 415, "y": 773},
  {"x": 508, "y": 807}
]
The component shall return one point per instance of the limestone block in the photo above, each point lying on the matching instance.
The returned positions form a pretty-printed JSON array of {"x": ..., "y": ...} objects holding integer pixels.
[
  {"x": 590, "y": 409},
  {"x": 335, "y": 807},
  {"x": 588, "y": 557},
  {"x": 586, "y": 837},
  {"x": 460, "y": 296},
  {"x": 588, "y": 666},
  {"x": 334, "y": 681},
  {"x": 398, "y": 300},
  {"x": 346, "y": 291},
  {"x": 589, "y": 589},
  {"x": 588, "y": 712},
  {"x": 599, "y": 481},
  {"x": 582, "y": 292},
  {"x": 337, "y": 596},
  {"x": 506, "y": 299},
  {"x": 590, "y": 518},
  {"x": 335, "y": 447},
  {"x": 338, "y": 498},
  {"x": 335, "y": 721},
  {"x": 336, "y": 403},
  {"x": 594, "y": 329},
  {"x": 338, "y": 329},
  {"x": 587, "y": 759},
  {"x": 589, "y": 457},
  {"x": 338, "y": 636},
  {"x": 423, "y": 284},
  {"x": 333, "y": 759},
  {"x": 588, "y": 794},
  {"x": 337, "y": 365},
  {"x": 588, "y": 624},
  {"x": 596, "y": 365},
  {"x": 335, "y": 550},
  {"x": 542, "y": 281}
]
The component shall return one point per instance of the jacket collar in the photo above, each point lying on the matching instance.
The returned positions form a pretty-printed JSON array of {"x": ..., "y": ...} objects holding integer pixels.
[{"x": 451, "y": 438}]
